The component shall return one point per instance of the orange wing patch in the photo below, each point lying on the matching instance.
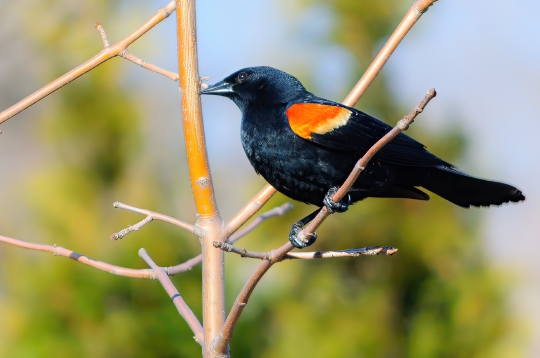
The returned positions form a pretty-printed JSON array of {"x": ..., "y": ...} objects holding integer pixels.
[{"x": 308, "y": 118}]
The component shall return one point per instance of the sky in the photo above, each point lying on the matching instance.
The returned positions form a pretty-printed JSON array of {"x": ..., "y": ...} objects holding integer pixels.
[{"x": 482, "y": 56}]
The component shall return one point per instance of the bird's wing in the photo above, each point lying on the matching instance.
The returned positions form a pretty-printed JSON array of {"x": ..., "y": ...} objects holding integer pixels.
[{"x": 342, "y": 128}]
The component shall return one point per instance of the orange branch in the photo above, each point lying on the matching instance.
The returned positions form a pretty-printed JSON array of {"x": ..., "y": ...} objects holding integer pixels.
[
  {"x": 208, "y": 219},
  {"x": 412, "y": 16}
]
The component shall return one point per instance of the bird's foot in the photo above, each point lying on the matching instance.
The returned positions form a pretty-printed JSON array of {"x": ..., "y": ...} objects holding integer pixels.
[
  {"x": 334, "y": 207},
  {"x": 298, "y": 240}
]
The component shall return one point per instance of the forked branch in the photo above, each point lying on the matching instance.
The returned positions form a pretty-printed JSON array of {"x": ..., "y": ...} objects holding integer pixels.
[
  {"x": 365, "y": 251},
  {"x": 150, "y": 215},
  {"x": 130, "y": 57}
]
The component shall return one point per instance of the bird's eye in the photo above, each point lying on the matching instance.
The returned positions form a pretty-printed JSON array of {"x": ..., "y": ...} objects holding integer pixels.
[{"x": 242, "y": 76}]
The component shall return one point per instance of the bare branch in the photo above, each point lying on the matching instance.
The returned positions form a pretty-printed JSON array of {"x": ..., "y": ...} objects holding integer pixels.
[
  {"x": 208, "y": 217},
  {"x": 365, "y": 251},
  {"x": 412, "y": 16},
  {"x": 103, "y": 35},
  {"x": 402, "y": 125},
  {"x": 120, "y": 234},
  {"x": 130, "y": 57},
  {"x": 100, "y": 265},
  {"x": 106, "y": 54},
  {"x": 242, "y": 252},
  {"x": 152, "y": 215},
  {"x": 178, "y": 301}
]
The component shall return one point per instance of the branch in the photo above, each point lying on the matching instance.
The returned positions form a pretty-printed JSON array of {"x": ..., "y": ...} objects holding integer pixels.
[
  {"x": 100, "y": 265},
  {"x": 150, "y": 215},
  {"x": 412, "y": 16},
  {"x": 402, "y": 125},
  {"x": 274, "y": 256},
  {"x": 106, "y": 54},
  {"x": 120, "y": 234},
  {"x": 209, "y": 220},
  {"x": 130, "y": 57},
  {"x": 178, "y": 301},
  {"x": 365, "y": 251}
]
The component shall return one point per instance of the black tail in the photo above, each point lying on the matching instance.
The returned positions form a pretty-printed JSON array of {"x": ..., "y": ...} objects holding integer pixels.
[{"x": 464, "y": 190}]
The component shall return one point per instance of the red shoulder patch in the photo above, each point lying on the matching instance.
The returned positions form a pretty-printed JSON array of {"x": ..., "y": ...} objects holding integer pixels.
[{"x": 308, "y": 118}]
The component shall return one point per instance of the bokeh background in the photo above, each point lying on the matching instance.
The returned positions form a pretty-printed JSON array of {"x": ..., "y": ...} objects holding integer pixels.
[{"x": 465, "y": 283}]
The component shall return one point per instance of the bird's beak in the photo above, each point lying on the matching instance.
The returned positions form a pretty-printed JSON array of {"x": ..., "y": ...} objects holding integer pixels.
[{"x": 219, "y": 89}]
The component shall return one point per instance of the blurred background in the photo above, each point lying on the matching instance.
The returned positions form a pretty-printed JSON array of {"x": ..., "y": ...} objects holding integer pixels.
[{"x": 465, "y": 283}]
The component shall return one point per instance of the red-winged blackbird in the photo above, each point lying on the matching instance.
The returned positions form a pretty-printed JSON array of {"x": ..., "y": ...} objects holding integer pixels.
[{"x": 306, "y": 146}]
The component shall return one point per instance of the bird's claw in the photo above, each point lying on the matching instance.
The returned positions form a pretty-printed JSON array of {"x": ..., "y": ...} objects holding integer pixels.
[
  {"x": 334, "y": 207},
  {"x": 298, "y": 241}
]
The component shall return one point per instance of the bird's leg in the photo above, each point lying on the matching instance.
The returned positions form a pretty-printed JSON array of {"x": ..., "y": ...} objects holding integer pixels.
[
  {"x": 296, "y": 228},
  {"x": 334, "y": 207}
]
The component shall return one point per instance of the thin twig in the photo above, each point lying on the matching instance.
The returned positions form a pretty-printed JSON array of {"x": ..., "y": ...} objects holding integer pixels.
[
  {"x": 120, "y": 234},
  {"x": 155, "y": 216},
  {"x": 100, "y": 265},
  {"x": 242, "y": 252},
  {"x": 364, "y": 251},
  {"x": 130, "y": 57},
  {"x": 225, "y": 335},
  {"x": 402, "y": 125},
  {"x": 178, "y": 301},
  {"x": 106, "y": 54}
]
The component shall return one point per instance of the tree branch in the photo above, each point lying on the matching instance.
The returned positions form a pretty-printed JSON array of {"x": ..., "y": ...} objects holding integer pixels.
[
  {"x": 365, "y": 251},
  {"x": 402, "y": 125},
  {"x": 150, "y": 215},
  {"x": 277, "y": 255},
  {"x": 412, "y": 16},
  {"x": 208, "y": 218},
  {"x": 122, "y": 233},
  {"x": 130, "y": 57},
  {"x": 106, "y": 54},
  {"x": 100, "y": 265},
  {"x": 178, "y": 301}
]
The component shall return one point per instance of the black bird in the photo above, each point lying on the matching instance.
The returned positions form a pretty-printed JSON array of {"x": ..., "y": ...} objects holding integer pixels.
[{"x": 306, "y": 146}]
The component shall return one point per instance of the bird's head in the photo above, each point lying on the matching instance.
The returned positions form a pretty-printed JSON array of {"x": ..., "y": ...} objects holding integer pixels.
[{"x": 258, "y": 85}]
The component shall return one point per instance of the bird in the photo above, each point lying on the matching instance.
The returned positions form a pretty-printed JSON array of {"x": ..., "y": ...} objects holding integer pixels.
[{"x": 306, "y": 146}]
